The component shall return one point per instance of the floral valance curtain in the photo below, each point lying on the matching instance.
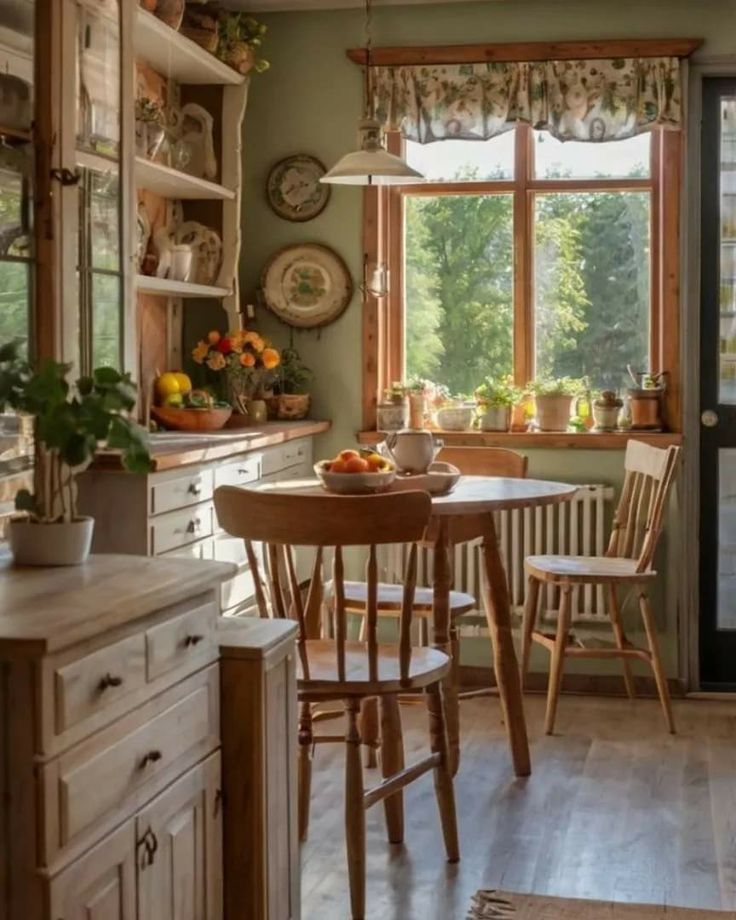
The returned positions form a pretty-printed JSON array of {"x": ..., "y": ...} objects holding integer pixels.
[{"x": 592, "y": 100}]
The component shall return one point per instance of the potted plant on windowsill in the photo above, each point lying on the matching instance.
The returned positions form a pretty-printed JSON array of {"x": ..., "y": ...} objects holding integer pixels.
[
  {"x": 392, "y": 413},
  {"x": 240, "y": 39},
  {"x": 418, "y": 391},
  {"x": 292, "y": 380},
  {"x": 70, "y": 422},
  {"x": 455, "y": 413},
  {"x": 553, "y": 401},
  {"x": 606, "y": 409},
  {"x": 494, "y": 400}
]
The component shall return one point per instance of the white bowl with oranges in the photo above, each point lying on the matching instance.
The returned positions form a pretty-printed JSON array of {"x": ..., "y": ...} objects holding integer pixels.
[{"x": 353, "y": 473}]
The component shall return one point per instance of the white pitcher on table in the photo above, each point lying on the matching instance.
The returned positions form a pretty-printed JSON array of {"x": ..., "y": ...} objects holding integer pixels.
[{"x": 411, "y": 450}]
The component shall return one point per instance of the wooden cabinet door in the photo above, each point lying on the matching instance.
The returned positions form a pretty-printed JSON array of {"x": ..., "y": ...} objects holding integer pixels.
[
  {"x": 101, "y": 884},
  {"x": 180, "y": 849}
]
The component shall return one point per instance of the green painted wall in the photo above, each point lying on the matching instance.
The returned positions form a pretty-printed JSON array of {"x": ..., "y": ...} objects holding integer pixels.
[{"x": 310, "y": 101}]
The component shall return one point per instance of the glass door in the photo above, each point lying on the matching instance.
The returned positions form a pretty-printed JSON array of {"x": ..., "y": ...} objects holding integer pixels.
[{"x": 718, "y": 387}]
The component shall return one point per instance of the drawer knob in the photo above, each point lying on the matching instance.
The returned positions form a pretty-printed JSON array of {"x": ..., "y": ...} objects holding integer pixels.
[
  {"x": 193, "y": 640},
  {"x": 150, "y": 757},
  {"x": 110, "y": 680},
  {"x": 194, "y": 525},
  {"x": 195, "y": 488}
]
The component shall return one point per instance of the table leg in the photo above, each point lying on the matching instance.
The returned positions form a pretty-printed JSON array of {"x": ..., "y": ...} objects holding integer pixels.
[
  {"x": 441, "y": 584},
  {"x": 498, "y": 614}
]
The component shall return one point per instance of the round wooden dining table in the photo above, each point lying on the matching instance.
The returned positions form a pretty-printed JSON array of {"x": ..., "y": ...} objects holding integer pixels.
[{"x": 464, "y": 514}]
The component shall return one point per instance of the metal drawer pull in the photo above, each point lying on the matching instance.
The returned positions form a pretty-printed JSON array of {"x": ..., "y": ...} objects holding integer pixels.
[
  {"x": 195, "y": 488},
  {"x": 193, "y": 640},
  {"x": 150, "y": 757},
  {"x": 194, "y": 525},
  {"x": 109, "y": 680},
  {"x": 149, "y": 844}
]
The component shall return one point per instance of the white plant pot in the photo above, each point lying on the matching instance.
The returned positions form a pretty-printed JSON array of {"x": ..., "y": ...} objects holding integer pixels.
[
  {"x": 553, "y": 412},
  {"x": 454, "y": 418},
  {"x": 495, "y": 418},
  {"x": 51, "y": 544}
]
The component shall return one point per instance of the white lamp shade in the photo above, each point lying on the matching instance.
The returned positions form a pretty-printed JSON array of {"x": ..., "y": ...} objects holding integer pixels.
[{"x": 372, "y": 167}]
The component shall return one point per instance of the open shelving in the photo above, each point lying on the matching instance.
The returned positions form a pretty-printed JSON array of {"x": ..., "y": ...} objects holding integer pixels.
[
  {"x": 167, "y": 287},
  {"x": 177, "y": 56},
  {"x": 172, "y": 183}
]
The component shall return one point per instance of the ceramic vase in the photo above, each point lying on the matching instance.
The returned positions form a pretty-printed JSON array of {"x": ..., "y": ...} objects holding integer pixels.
[{"x": 65, "y": 543}]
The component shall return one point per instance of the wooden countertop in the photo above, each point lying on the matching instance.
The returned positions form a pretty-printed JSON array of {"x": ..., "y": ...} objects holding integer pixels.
[
  {"x": 178, "y": 448},
  {"x": 44, "y": 610}
]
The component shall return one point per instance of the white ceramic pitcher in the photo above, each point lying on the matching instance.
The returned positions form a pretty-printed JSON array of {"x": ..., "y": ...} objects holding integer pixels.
[{"x": 412, "y": 451}]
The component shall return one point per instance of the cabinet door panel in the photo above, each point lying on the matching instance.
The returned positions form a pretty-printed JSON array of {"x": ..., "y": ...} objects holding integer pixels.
[
  {"x": 101, "y": 884},
  {"x": 182, "y": 878}
]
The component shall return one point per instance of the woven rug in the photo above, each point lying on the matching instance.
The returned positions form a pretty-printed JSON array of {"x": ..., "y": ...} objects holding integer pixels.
[{"x": 503, "y": 905}]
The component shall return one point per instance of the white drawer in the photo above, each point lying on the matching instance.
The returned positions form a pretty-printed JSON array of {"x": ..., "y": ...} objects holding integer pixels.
[
  {"x": 178, "y": 528},
  {"x": 296, "y": 453},
  {"x": 247, "y": 469},
  {"x": 293, "y": 453},
  {"x": 237, "y": 590},
  {"x": 204, "y": 549},
  {"x": 181, "y": 492}
]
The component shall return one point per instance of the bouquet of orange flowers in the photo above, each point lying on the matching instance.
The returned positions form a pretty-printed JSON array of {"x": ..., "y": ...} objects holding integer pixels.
[{"x": 238, "y": 363}]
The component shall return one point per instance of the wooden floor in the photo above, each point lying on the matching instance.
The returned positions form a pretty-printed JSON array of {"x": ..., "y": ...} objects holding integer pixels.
[{"x": 615, "y": 809}]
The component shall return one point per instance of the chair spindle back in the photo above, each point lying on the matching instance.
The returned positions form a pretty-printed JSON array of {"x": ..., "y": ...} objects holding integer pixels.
[
  {"x": 486, "y": 461},
  {"x": 637, "y": 524},
  {"x": 283, "y": 521}
]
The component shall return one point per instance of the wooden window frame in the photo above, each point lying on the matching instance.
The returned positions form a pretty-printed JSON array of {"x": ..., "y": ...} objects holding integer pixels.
[{"x": 383, "y": 318}]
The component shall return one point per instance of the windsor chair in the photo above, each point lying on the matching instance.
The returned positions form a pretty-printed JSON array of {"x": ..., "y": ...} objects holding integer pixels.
[
  {"x": 637, "y": 526},
  {"x": 335, "y": 669}
]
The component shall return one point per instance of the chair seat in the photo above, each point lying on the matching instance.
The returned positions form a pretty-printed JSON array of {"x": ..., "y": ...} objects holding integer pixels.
[
  {"x": 428, "y": 665},
  {"x": 585, "y": 569},
  {"x": 390, "y": 597}
]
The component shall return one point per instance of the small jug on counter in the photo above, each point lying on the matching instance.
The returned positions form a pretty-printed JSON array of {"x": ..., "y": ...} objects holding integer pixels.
[{"x": 411, "y": 450}]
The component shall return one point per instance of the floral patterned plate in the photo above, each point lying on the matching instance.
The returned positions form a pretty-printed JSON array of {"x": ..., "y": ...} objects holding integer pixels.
[
  {"x": 306, "y": 285},
  {"x": 294, "y": 190}
]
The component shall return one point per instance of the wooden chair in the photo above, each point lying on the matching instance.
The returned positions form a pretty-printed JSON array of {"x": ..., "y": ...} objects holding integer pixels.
[
  {"x": 471, "y": 461},
  {"x": 338, "y": 669},
  {"x": 637, "y": 525}
]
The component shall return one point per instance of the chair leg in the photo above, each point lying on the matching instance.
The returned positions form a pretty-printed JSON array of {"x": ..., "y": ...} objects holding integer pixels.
[
  {"x": 369, "y": 730},
  {"x": 443, "y": 782},
  {"x": 530, "y": 619},
  {"x": 659, "y": 675},
  {"x": 451, "y": 696},
  {"x": 392, "y": 761},
  {"x": 354, "y": 811},
  {"x": 306, "y": 742},
  {"x": 614, "y": 613},
  {"x": 558, "y": 659}
]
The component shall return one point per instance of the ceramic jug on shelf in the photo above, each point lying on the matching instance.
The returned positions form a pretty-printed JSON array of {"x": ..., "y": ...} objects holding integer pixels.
[{"x": 411, "y": 450}]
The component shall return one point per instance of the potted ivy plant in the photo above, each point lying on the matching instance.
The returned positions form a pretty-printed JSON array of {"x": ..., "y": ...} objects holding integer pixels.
[
  {"x": 70, "y": 422},
  {"x": 494, "y": 400},
  {"x": 240, "y": 39},
  {"x": 553, "y": 399},
  {"x": 292, "y": 381}
]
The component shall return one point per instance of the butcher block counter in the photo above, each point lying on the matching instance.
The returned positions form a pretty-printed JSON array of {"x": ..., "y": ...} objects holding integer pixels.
[{"x": 121, "y": 760}]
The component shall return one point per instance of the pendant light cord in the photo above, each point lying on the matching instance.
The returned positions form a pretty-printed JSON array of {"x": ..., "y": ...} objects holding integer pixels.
[{"x": 368, "y": 29}]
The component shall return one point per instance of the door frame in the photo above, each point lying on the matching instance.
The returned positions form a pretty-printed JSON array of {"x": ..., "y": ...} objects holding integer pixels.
[{"x": 706, "y": 67}]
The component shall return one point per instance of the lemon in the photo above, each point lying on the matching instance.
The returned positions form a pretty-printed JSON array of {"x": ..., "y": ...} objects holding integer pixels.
[
  {"x": 167, "y": 384},
  {"x": 174, "y": 401},
  {"x": 185, "y": 384}
]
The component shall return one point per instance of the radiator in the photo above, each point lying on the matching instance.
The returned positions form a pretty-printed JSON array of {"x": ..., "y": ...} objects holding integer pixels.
[{"x": 576, "y": 528}]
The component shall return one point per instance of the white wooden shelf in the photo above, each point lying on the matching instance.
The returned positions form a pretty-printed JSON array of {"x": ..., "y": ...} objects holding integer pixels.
[
  {"x": 170, "y": 183},
  {"x": 174, "y": 55},
  {"x": 166, "y": 287}
]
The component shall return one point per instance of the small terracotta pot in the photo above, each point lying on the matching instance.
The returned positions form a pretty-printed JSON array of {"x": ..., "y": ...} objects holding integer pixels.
[
  {"x": 605, "y": 417},
  {"x": 553, "y": 412},
  {"x": 646, "y": 408},
  {"x": 293, "y": 406},
  {"x": 494, "y": 418}
]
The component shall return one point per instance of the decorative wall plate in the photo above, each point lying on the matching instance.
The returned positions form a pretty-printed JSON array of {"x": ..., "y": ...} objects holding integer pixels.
[
  {"x": 207, "y": 247},
  {"x": 306, "y": 285},
  {"x": 294, "y": 190}
]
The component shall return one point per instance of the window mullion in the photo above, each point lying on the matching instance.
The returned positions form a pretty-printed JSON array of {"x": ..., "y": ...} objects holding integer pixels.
[{"x": 523, "y": 310}]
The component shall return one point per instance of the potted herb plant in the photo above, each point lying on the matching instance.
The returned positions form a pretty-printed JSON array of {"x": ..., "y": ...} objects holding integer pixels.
[
  {"x": 553, "y": 402},
  {"x": 292, "y": 379},
  {"x": 418, "y": 391},
  {"x": 606, "y": 409},
  {"x": 494, "y": 400},
  {"x": 240, "y": 38},
  {"x": 393, "y": 411},
  {"x": 70, "y": 422}
]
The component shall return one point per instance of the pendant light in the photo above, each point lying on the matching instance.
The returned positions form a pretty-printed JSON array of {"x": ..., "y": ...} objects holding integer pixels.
[{"x": 371, "y": 164}]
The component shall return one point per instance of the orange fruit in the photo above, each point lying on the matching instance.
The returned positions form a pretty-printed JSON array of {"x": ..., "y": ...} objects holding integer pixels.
[
  {"x": 348, "y": 455},
  {"x": 338, "y": 466},
  {"x": 356, "y": 465}
]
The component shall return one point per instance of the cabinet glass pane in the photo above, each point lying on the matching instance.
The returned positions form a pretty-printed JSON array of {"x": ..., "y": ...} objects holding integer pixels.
[
  {"x": 104, "y": 218},
  {"x": 727, "y": 376},
  {"x": 106, "y": 321},
  {"x": 98, "y": 76},
  {"x": 727, "y": 539}
]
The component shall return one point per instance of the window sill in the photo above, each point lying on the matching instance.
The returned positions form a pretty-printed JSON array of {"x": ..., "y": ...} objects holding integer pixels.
[{"x": 529, "y": 440}]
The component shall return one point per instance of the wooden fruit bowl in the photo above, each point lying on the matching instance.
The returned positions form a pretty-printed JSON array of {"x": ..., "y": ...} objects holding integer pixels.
[{"x": 191, "y": 419}]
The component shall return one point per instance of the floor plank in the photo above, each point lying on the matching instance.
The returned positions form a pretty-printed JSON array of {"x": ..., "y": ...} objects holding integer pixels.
[{"x": 615, "y": 809}]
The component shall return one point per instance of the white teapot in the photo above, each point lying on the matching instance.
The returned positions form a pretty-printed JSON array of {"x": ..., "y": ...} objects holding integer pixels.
[{"x": 411, "y": 450}]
